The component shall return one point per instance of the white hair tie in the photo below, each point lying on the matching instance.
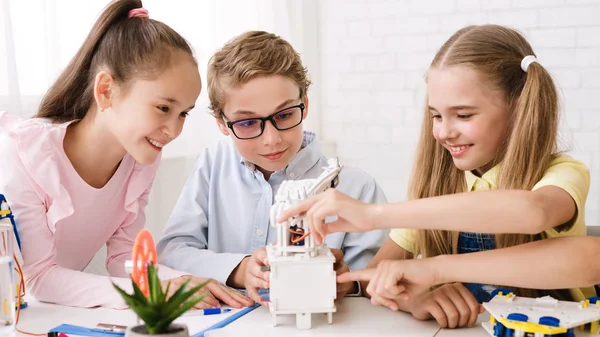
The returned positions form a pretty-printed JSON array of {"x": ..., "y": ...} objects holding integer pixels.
[{"x": 527, "y": 60}]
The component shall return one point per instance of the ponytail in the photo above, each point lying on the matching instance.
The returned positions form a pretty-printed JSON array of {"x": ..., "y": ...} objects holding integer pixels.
[{"x": 123, "y": 46}]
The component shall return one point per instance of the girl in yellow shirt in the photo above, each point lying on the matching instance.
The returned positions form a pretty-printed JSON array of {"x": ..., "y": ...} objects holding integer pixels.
[{"x": 490, "y": 129}]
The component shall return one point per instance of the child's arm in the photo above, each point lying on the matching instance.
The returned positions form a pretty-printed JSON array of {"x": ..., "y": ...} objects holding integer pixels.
[
  {"x": 451, "y": 305},
  {"x": 184, "y": 245},
  {"x": 559, "y": 263},
  {"x": 119, "y": 246},
  {"x": 498, "y": 211},
  {"x": 44, "y": 278},
  {"x": 566, "y": 262},
  {"x": 360, "y": 248},
  {"x": 554, "y": 201}
]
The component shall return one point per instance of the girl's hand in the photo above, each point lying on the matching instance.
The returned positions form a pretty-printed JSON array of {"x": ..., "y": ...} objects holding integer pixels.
[
  {"x": 352, "y": 215},
  {"x": 394, "y": 281},
  {"x": 213, "y": 290},
  {"x": 341, "y": 267},
  {"x": 451, "y": 305}
]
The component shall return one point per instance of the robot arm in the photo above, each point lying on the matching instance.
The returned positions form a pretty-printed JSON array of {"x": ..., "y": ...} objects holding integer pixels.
[{"x": 292, "y": 231}]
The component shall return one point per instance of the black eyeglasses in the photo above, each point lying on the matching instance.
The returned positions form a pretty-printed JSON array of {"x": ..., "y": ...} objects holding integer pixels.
[{"x": 253, "y": 127}]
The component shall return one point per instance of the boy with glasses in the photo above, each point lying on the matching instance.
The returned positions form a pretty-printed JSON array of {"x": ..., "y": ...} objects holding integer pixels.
[{"x": 220, "y": 225}]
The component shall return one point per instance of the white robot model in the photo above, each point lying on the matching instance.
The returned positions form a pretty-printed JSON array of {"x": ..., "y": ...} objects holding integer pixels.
[{"x": 302, "y": 279}]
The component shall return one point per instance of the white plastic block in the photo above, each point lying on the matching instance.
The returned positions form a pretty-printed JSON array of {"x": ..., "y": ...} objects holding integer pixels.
[{"x": 302, "y": 285}]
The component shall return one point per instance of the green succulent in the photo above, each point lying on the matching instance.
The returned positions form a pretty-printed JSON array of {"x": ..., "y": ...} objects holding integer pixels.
[{"x": 157, "y": 311}]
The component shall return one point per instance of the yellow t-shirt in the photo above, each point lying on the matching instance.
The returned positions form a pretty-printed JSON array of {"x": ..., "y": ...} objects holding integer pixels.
[{"x": 564, "y": 172}]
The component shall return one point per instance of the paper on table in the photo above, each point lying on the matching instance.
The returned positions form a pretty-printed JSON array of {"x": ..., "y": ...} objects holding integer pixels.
[
  {"x": 196, "y": 322},
  {"x": 41, "y": 317}
]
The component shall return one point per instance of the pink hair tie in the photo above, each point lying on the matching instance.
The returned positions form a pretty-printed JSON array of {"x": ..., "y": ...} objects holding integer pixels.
[{"x": 138, "y": 13}]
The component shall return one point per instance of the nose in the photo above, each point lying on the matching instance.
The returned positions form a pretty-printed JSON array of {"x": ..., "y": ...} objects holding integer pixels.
[
  {"x": 445, "y": 130},
  {"x": 271, "y": 135},
  {"x": 172, "y": 128}
]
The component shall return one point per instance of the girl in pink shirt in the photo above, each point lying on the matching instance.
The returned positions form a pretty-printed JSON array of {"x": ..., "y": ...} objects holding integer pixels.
[{"x": 77, "y": 176}]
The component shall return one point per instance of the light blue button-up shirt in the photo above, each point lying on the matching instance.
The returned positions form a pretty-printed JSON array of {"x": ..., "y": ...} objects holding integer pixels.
[{"x": 222, "y": 214}]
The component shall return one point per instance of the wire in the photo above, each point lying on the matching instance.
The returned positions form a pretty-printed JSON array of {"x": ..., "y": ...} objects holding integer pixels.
[
  {"x": 30, "y": 333},
  {"x": 21, "y": 294},
  {"x": 302, "y": 237}
]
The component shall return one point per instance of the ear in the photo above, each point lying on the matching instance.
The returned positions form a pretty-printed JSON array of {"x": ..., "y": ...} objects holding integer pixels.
[
  {"x": 221, "y": 124},
  {"x": 104, "y": 88},
  {"x": 305, "y": 107}
]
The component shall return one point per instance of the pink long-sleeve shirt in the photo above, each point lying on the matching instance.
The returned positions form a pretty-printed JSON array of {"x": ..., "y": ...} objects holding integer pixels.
[{"x": 62, "y": 221}]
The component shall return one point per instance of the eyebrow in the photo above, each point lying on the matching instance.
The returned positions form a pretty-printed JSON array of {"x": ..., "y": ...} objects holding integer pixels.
[
  {"x": 169, "y": 99},
  {"x": 277, "y": 108},
  {"x": 174, "y": 101},
  {"x": 456, "y": 107}
]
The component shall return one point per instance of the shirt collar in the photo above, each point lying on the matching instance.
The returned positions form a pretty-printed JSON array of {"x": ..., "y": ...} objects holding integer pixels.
[
  {"x": 490, "y": 177},
  {"x": 304, "y": 160}
]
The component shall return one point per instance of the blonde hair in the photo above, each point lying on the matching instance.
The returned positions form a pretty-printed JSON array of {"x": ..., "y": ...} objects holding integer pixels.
[
  {"x": 250, "y": 55},
  {"x": 496, "y": 53}
]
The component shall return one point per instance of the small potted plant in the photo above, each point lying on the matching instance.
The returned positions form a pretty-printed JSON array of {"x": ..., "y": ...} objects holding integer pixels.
[{"x": 156, "y": 310}]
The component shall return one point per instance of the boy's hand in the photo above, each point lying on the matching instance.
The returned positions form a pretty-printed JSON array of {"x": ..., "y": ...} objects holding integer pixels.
[
  {"x": 340, "y": 267},
  {"x": 451, "y": 305},
  {"x": 254, "y": 278}
]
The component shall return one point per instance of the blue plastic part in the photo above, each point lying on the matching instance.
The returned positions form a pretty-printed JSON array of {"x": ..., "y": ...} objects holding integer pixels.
[
  {"x": 594, "y": 299},
  {"x": 265, "y": 294},
  {"x": 214, "y": 311},
  {"x": 549, "y": 321},
  {"x": 498, "y": 329},
  {"x": 83, "y": 331},
  {"x": 12, "y": 221},
  {"x": 227, "y": 320},
  {"x": 504, "y": 291},
  {"x": 515, "y": 316},
  {"x": 570, "y": 333}
]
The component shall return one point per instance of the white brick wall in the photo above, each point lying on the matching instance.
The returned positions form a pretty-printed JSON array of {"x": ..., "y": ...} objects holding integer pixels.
[{"x": 374, "y": 54}]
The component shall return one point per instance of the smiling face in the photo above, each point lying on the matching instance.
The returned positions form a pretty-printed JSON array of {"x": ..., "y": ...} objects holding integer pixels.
[
  {"x": 150, "y": 113},
  {"x": 470, "y": 117},
  {"x": 261, "y": 97}
]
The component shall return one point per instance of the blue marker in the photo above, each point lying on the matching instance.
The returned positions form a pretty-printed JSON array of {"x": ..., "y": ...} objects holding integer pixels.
[{"x": 213, "y": 311}]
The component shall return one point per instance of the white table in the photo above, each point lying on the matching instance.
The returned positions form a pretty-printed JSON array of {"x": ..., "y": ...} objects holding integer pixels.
[{"x": 355, "y": 317}]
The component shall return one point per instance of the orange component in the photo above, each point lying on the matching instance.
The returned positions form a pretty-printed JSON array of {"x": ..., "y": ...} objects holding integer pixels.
[{"x": 144, "y": 252}]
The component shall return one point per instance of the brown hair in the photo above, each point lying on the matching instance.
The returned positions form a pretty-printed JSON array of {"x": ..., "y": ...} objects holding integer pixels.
[
  {"x": 126, "y": 47},
  {"x": 495, "y": 52},
  {"x": 252, "y": 54}
]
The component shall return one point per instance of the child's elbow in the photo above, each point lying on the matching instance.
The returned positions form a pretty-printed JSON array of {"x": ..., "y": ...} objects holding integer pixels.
[
  {"x": 36, "y": 290},
  {"x": 537, "y": 211}
]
